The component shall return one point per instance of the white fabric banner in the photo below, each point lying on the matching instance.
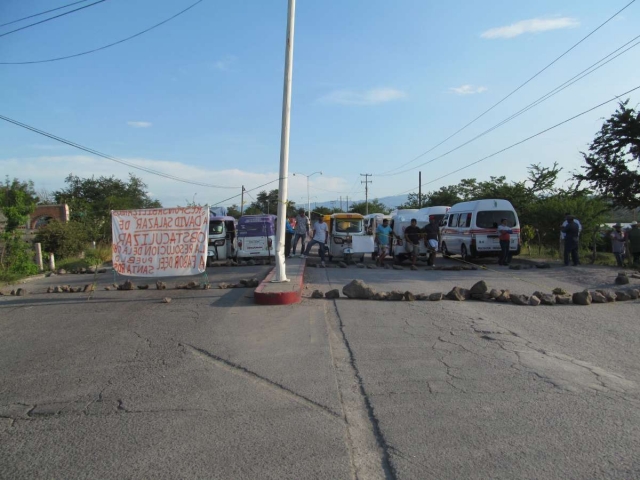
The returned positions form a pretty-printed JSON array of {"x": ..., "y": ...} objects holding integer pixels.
[{"x": 160, "y": 242}]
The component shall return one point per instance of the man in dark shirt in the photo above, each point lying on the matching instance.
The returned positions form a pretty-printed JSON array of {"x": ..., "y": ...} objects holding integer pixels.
[
  {"x": 431, "y": 239},
  {"x": 572, "y": 237},
  {"x": 412, "y": 238}
]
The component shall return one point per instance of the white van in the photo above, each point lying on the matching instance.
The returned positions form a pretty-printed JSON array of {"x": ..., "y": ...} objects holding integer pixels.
[
  {"x": 437, "y": 212},
  {"x": 470, "y": 229}
]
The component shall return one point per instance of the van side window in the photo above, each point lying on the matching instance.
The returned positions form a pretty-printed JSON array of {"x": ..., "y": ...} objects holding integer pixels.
[
  {"x": 468, "y": 220},
  {"x": 445, "y": 221},
  {"x": 453, "y": 221}
]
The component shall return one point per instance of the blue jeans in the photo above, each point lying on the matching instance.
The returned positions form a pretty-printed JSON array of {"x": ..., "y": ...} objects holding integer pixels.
[
  {"x": 302, "y": 237},
  {"x": 505, "y": 253},
  {"x": 619, "y": 258},
  {"x": 571, "y": 250},
  {"x": 320, "y": 248}
]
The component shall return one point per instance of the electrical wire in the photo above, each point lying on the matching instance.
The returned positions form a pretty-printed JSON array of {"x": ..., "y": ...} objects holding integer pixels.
[
  {"x": 110, "y": 157},
  {"x": 584, "y": 73},
  {"x": 42, "y": 13},
  {"x": 30, "y": 62},
  {"x": 617, "y": 97},
  {"x": 52, "y": 18},
  {"x": 513, "y": 91},
  {"x": 246, "y": 191}
]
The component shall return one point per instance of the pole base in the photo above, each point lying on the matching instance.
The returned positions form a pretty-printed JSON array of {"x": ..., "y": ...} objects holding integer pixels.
[{"x": 284, "y": 280}]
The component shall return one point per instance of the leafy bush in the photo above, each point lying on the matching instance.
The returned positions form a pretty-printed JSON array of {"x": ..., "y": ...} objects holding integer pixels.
[
  {"x": 17, "y": 258},
  {"x": 62, "y": 239}
]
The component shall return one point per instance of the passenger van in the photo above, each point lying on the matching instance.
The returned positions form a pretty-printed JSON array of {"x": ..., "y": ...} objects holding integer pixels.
[
  {"x": 470, "y": 229},
  {"x": 256, "y": 236},
  {"x": 437, "y": 212},
  {"x": 222, "y": 238}
]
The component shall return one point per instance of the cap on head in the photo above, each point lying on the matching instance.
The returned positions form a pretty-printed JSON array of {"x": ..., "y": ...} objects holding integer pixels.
[
  {"x": 413, "y": 220},
  {"x": 301, "y": 211},
  {"x": 634, "y": 224},
  {"x": 617, "y": 225}
]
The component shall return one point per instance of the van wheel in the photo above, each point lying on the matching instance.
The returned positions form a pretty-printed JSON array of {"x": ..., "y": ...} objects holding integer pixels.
[
  {"x": 445, "y": 252},
  {"x": 362, "y": 259},
  {"x": 331, "y": 258},
  {"x": 465, "y": 256}
]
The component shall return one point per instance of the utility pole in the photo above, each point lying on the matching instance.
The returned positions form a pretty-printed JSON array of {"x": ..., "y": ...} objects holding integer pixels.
[
  {"x": 419, "y": 189},
  {"x": 341, "y": 202},
  {"x": 366, "y": 182},
  {"x": 242, "y": 202},
  {"x": 281, "y": 272},
  {"x": 347, "y": 203}
]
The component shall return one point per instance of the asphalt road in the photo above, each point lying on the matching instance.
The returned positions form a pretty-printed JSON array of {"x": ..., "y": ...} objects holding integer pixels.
[{"x": 120, "y": 385}]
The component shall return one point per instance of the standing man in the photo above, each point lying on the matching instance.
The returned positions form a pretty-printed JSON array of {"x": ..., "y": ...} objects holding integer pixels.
[
  {"x": 383, "y": 232},
  {"x": 617, "y": 244},
  {"x": 301, "y": 230},
  {"x": 571, "y": 240},
  {"x": 432, "y": 239},
  {"x": 320, "y": 234},
  {"x": 564, "y": 224},
  {"x": 634, "y": 242},
  {"x": 288, "y": 237},
  {"x": 504, "y": 235},
  {"x": 412, "y": 238}
]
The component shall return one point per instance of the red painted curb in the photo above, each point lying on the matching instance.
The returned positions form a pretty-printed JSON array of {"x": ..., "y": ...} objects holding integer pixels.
[{"x": 278, "y": 298}]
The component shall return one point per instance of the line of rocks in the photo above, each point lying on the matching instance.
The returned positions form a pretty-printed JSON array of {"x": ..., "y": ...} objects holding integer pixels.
[
  {"x": 89, "y": 287},
  {"x": 77, "y": 271},
  {"x": 357, "y": 289},
  {"x": 244, "y": 283},
  {"x": 242, "y": 263}
]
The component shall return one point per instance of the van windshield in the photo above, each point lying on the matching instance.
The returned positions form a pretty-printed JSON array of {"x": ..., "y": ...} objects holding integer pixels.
[
  {"x": 215, "y": 227},
  {"x": 348, "y": 226},
  {"x": 255, "y": 229},
  {"x": 492, "y": 218}
]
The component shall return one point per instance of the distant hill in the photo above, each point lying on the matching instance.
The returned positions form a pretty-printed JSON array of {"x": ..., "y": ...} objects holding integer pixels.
[{"x": 391, "y": 202}]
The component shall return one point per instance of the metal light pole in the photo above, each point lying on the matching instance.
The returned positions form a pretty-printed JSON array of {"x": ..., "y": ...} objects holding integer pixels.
[
  {"x": 308, "y": 198},
  {"x": 281, "y": 272}
]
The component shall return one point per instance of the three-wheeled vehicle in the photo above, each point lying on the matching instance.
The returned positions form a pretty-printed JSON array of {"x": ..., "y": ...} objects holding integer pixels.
[
  {"x": 222, "y": 239},
  {"x": 347, "y": 236},
  {"x": 256, "y": 236}
]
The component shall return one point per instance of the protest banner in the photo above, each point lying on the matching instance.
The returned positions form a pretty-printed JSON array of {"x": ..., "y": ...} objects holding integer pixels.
[{"x": 160, "y": 242}]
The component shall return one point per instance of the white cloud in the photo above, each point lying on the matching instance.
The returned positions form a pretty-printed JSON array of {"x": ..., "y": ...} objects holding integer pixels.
[
  {"x": 373, "y": 96},
  {"x": 50, "y": 172},
  {"x": 139, "y": 124},
  {"x": 225, "y": 63},
  {"x": 467, "y": 90},
  {"x": 534, "y": 25}
]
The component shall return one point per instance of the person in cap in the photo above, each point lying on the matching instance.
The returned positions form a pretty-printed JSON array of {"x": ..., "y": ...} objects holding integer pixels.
[
  {"x": 301, "y": 231},
  {"x": 412, "y": 237},
  {"x": 571, "y": 241},
  {"x": 617, "y": 244},
  {"x": 504, "y": 235},
  {"x": 633, "y": 238}
]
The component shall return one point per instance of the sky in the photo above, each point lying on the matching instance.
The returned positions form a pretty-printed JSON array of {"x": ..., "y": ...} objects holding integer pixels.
[{"x": 375, "y": 85}]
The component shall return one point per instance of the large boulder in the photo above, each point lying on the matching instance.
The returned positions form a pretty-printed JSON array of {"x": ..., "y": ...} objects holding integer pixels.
[
  {"x": 519, "y": 299},
  {"x": 582, "y": 298},
  {"x": 436, "y": 297},
  {"x": 610, "y": 295},
  {"x": 494, "y": 293},
  {"x": 335, "y": 293},
  {"x": 559, "y": 291},
  {"x": 596, "y": 297},
  {"x": 395, "y": 296},
  {"x": 548, "y": 299},
  {"x": 161, "y": 285},
  {"x": 627, "y": 294},
  {"x": 622, "y": 279},
  {"x": 381, "y": 296},
  {"x": 479, "y": 288},
  {"x": 317, "y": 294},
  {"x": 534, "y": 301},
  {"x": 458, "y": 294},
  {"x": 342, "y": 265},
  {"x": 358, "y": 289},
  {"x": 409, "y": 297},
  {"x": 504, "y": 297},
  {"x": 543, "y": 265},
  {"x": 398, "y": 267},
  {"x": 563, "y": 299}
]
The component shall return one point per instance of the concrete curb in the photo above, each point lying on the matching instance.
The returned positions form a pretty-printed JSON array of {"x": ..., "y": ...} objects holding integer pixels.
[{"x": 264, "y": 294}]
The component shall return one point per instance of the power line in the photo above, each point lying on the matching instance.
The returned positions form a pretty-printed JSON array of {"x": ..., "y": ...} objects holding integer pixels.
[
  {"x": 246, "y": 191},
  {"x": 105, "y": 46},
  {"x": 584, "y": 73},
  {"x": 42, "y": 13},
  {"x": 514, "y": 91},
  {"x": 51, "y": 18},
  {"x": 617, "y": 97},
  {"x": 109, "y": 157}
]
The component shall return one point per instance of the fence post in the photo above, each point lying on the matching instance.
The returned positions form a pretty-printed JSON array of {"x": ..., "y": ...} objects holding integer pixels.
[
  {"x": 39, "y": 257},
  {"x": 52, "y": 262}
]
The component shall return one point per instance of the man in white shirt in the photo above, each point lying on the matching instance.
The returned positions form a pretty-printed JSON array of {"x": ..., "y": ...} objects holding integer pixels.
[
  {"x": 320, "y": 235},
  {"x": 566, "y": 221}
]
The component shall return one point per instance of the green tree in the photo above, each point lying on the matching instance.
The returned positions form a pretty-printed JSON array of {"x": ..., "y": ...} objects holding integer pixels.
[
  {"x": 92, "y": 199},
  {"x": 267, "y": 202},
  {"x": 374, "y": 207},
  {"x": 614, "y": 157},
  {"x": 445, "y": 196},
  {"x": 18, "y": 200},
  {"x": 413, "y": 201},
  {"x": 233, "y": 211}
]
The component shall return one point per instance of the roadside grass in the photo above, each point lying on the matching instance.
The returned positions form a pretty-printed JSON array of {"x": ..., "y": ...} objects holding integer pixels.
[
  {"x": 553, "y": 254},
  {"x": 93, "y": 257}
]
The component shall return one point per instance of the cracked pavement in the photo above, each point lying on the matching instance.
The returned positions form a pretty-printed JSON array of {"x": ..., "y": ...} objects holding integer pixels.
[{"x": 212, "y": 386}]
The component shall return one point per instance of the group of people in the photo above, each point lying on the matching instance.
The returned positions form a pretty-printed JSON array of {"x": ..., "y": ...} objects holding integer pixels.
[
  {"x": 413, "y": 235},
  {"x": 620, "y": 241},
  {"x": 299, "y": 229}
]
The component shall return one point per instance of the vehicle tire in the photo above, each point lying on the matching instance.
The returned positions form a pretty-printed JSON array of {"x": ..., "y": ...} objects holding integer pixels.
[
  {"x": 445, "y": 252},
  {"x": 463, "y": 252},
  {"x": 362, "y": 259},
  {"x": 331, "y": 258}
]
